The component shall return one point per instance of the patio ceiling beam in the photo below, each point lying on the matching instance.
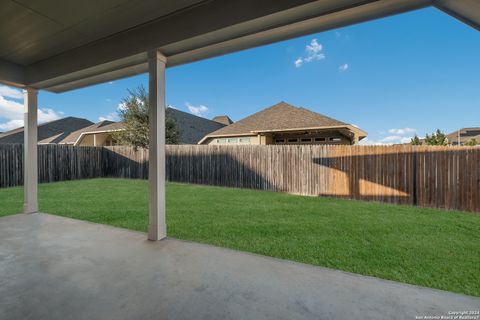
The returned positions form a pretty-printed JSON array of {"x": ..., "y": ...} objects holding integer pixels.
[
  {"x": 205, "y": 31},
  {"x": 30, "y": 176},
  {"x": 467, "y": 11},
  {"x": 157, "y": 228},
  {"x": 224, "y": 43},
  {"x": 205, "y": 17},
  {"x": 12, "y": 74}
]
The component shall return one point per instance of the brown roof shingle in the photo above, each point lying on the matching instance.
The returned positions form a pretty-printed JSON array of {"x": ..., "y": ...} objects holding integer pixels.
[
  {"x": 281, "y": 116},
  {"x": 225, "y": 120}
]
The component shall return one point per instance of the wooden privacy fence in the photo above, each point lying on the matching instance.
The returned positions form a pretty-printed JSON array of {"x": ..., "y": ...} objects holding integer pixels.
[
  {"x": 55, "y": 163},
  {"x": 440, "y": 177}
]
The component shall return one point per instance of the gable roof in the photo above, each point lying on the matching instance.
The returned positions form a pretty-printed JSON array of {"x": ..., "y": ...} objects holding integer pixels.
[
  {"x": 279, "y": 117},
  {"x": 466, "y": 134},
  {"x": 49, "y": 132},
  {"x": 102, "y": 126},
  {"x": 223, "y": 120},
  {"x": 192, "y": 128}
]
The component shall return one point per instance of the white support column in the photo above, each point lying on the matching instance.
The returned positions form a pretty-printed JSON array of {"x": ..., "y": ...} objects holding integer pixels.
[
  {"x": 30, "y": 175},
  {"x": 157, "y": 228},
  {"x": 94, "y": 140}
]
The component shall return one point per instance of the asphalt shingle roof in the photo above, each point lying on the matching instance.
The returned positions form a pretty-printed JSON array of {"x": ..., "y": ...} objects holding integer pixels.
[
  {"x": 192, "y": 128},
  {"x": 281, "y": 116},
  {"x": 101, "y": 126},
  {"x": 50, "y": 132}
]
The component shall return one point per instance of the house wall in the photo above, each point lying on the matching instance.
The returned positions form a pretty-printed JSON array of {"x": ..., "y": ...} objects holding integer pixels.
[
  {"x": 240, "y": 140},
  {"x": 331, "y": 137},
  {"x": 103, "y": 139},
  {"x": 327, "y": 137}
]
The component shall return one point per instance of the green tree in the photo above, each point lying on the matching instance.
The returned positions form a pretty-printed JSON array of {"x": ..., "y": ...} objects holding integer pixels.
[
  {"x": 438, "y": 138},
  {"x": 472, "y": 142},
  {"x": 133, "y": 113},
  {"x": 415, "y": 141}
]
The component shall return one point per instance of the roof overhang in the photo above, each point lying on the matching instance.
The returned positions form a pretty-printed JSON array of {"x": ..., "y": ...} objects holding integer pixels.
[
  {"x": 184, "y": 31},
  {"x": 354, "y": 130},
  {"x": 84, "y": 134},
  {"x": 359, "y": 132}
]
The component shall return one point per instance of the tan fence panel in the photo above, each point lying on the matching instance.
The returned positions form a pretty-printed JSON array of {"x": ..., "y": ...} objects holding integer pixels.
[{"x": 439, "y": 177}]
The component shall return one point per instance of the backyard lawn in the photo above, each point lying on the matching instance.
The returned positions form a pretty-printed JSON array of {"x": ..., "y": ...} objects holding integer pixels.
[{"x": 427, "y": 247}]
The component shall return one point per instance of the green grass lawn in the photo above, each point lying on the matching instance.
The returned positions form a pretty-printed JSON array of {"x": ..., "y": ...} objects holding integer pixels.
[{"x": 427, "y": 247}]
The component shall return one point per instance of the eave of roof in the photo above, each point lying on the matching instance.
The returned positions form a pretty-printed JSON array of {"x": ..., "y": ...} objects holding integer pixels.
[
  {"x": 201, "y": 31},
  {"x": 83, "y": 134}
]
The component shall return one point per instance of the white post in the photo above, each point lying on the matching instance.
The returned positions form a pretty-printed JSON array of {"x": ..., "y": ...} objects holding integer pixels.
[
  {"x": 157, "y": 228},
  {"x": 30, "y": 175},
  {"x": 94, "y": 140}
]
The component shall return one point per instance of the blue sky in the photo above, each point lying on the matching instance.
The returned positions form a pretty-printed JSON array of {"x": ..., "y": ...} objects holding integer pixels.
[{"x": 392, "y": 77}]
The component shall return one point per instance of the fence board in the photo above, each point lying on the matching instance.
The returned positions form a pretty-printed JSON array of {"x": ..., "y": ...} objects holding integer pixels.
[{"x": 440, "y": 177}]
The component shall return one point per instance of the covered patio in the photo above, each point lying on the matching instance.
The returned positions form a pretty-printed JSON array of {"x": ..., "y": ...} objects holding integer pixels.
[
  {"x": 56, "y": 268},
  {"x": 71, "y": 269}
]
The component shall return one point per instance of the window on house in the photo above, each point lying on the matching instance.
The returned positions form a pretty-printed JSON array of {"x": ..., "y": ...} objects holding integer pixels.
[
  {"x": 292, "y": 140},
  {"x": 221, "y": 141},
  {"x": 320, "y": 139},
  {"x": 244, "y": 140},
  {"x": 306, "y": 140},
  {"x": 232, "y": 140},
  {"x": 279, "y": 140},
  {"x": 336, "y": 139}
]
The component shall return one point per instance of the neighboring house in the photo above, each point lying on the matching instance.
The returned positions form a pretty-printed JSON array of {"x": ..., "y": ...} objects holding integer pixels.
[
  {"x": 225, "y": 120},
  {"x": 192, "y": 128},
  {"x": 286, "y": 124},
  {"x": 81, "y": 132},
  {"x": 463, "y": 136},
  {"x": 50, "y": 132},
  {"x": 97, "y": 135}
]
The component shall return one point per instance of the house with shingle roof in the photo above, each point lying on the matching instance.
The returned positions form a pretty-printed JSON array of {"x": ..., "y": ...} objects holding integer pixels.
[
  {"x": 223, "y": 120},
  {"x": 192, "y": 128},
  {"x": 82, "y": 132},
  {"x": 463, "y": 136},
  {"x": 50, "y": 132},
  {"x": 98, "y": 134},
  {"x": 286, "y": 124}
]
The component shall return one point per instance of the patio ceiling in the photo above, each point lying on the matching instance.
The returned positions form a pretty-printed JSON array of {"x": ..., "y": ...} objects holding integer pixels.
[{"x": 63, "y": 45}]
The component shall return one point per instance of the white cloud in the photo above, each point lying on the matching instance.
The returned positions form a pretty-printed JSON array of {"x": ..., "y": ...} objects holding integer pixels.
[
  {"x": 343, "y": 67},
  {"x": 13, "y": 111},
  {"x": 9, "y": 109},
  {"x": 395, "y": 139},
  {"x": 47, "y": 115},
  {"x": 391, "y": 136},
  {"x": 298, "y": 63},
  {"x": 313, "y": 52},
  {"x": 112, "y": 116},
  {"x": 121, "y": 106},
  {"x": 10, "y": 125},
  {"x": 10, "y": 92},
  {"x": 198, "y": 111},
  {"x": 388, "y": 140},
  {"x": 401, "y": 131}
]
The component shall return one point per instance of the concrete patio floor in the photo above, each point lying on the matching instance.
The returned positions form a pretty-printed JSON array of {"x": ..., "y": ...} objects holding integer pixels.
[{"x": 59, "y": 268}]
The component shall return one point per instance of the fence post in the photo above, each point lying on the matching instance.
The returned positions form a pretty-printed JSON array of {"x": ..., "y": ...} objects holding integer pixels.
[{"x": 414, "y": 176}]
